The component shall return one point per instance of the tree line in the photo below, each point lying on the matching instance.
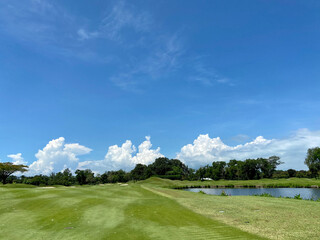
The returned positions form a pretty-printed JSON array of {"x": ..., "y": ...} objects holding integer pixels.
[{"x": 172, "y": 169}]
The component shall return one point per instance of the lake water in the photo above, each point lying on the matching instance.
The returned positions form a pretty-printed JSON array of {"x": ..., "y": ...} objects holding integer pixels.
[{"x": 305, "y": 193}]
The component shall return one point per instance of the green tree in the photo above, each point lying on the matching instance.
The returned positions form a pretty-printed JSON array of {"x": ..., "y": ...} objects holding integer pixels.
[
  {"x": 292, "y": 172},
  {"x": 38, "y": 180},
  {"x": 104, "y": 177},
  {"x": 232, "y": 169},
  {"x": 218, "y": 170},
  {"x": 200, "y": 173},
  {"x": 140, "y": 172},
  {"x": 268, "y": 166},
  {"x": 85, "y": 176},
  {"x": 313, "y": 161},
  {"x": 115, "y": 176},
  {"x": 8, "y": 168},
  {"x": 250, "y": 169},
  {"x": 179, "y": 168},
  {"x": 62, "y": 178},
  {"x": 168, "y": 168},
  {"x": 160, "y": 166},
  {"x": 81, "y": 177}
]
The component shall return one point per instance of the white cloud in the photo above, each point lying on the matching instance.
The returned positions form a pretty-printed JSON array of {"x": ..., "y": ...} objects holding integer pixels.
[
  {"x": 17, "y": 158},
  {"x": 114, "y": 25},
  {"x": 292, "y": 149},
  {"x": 160, "y": 60},
  {"x": 56, "y": 31},
  {"x": 122, "y": 157},
  {"x": 124, "y": 16},
  {"x": 205, "y": 74},
  {"x": 56, "y": 156},
  {"x": 76, "y": 149},
  {"x": 146, "y": 155},
  {"x": 35, "y": 21},
  {"x": 48, "y": 27},
  {"x": 84, "y": 35}
]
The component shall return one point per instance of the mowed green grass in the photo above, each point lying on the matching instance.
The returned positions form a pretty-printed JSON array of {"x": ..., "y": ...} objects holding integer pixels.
[
  {"x": 134, "y": 211},
  {"x": 150, "y": 210},
  {"x": 273, "y": 218},
  {"x": 286, "y": 182}
]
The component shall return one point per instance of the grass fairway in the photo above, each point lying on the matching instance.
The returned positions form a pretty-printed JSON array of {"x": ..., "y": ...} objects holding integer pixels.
[
  {"x": 147, "y": 211},
  {"x": 103, "y": 212}
]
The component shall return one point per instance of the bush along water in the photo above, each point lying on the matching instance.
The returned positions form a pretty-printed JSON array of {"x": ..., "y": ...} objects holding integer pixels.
[
  {"x": 223, "y": 193},
  {"x": 263, "y": 195},
  {"x": 297, "y": 197}
]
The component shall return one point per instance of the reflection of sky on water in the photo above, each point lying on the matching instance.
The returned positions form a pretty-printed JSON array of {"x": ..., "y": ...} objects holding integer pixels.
[{"x": 305, "y": 193}]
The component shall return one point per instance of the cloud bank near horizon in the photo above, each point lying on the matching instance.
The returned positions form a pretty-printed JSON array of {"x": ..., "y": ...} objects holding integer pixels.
[
  {"x": 58, "y": 155},
  {"x": 292, "y": 150}
]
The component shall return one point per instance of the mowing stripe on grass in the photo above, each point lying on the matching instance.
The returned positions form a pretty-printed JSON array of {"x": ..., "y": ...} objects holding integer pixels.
[{"x": 103, "y": 212}]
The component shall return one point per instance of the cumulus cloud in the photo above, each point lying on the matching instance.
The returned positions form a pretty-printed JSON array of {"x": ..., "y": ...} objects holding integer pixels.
[
  {"x": 56, "y": 156},
  {"x": 292, "y": 150},
  {"x": 17, "y": 158},
  {"x": 146, "y": 155},
  {"x": 122, "y": 157}
]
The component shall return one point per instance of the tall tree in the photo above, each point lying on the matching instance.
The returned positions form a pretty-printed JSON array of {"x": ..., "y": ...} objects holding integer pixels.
[
  {"x": 269, "y": 165},
  {"x": 232, "y": 169},
  {"x": 140, "y": 172},
  {"x": 8, "y": 168},
  {"x": 250, "y": 169},
  {"x": 168, "y": 167},
  {"x": 313, "y": 160},
  {"x": 85, "y": 176},
  {"x": 117, "y": 176},
  {"x": 218, "y": 170},
  {"x": 160, "y": 166},
  {"x": 62, "y": 178}
]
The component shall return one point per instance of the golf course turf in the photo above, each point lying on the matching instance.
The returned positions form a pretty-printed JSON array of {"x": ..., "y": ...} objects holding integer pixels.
[{"x": 146, "y": 210}]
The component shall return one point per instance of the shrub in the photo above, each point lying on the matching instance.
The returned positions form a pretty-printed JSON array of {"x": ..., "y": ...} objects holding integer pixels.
[
  {"x": 297, "y": 197},
  {"x": 223, "y": 193},
  {"x": 263, "y": 195}
]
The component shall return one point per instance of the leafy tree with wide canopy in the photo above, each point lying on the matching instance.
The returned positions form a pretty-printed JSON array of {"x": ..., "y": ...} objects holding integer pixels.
[
  {"x": 313, "y": 161},
  {"x": 268, "y": 165},
  {"x": 85, "y": 176},
  {"x": 169, "y": 168},
  {"x": 8, "y": 168},
  {"x": 140, "y": 172}
]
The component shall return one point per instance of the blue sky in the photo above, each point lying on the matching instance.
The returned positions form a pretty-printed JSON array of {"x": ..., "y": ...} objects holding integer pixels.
[{"x": 100, "y": 73}]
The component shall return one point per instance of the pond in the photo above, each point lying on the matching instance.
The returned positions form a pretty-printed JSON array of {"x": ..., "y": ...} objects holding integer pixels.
[{"x": 305, "y": 193}]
